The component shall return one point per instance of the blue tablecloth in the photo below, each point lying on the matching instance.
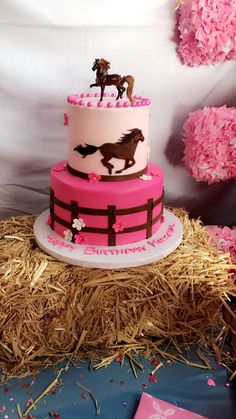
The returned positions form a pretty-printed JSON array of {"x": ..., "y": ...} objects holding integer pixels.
[{"x": 118, "y": 391}]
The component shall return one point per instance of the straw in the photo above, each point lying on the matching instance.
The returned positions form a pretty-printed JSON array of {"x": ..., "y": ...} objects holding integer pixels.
[{"x": 50, "y": 310}]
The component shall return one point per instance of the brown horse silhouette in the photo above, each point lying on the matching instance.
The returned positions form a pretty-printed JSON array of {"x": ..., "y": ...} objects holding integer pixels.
[
  {"x": 103, "y": 79},
  {"x": 122, "y": 149}
]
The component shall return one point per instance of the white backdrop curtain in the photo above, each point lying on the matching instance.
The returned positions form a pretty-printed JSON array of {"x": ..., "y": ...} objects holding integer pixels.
[{"x": 47, "y": 50}]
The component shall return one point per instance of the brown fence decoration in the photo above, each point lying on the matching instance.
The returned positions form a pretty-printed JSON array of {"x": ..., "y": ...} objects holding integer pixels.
[
  {"x": 111, "y": 213},
  {"x": 52, "y": 201}
]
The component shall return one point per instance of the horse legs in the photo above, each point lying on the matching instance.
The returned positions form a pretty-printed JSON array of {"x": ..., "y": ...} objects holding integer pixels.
[
  {"x": 132, "y": 162},
  {"x": 121, "y": 90},
  {"x": 118, "y": 95},
  {"x": 94, "y": 85},
  {"x": 105, "y": 162},
  {"x": 127, "y": 165},
  {"x": 102, "y": 91}
]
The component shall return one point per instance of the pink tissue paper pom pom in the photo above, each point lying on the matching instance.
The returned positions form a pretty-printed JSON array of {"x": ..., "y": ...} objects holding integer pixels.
[
  {"x": 207, "y": 31},
  {"x": 224, "y": 238},
  {"x": 210, "y": 144}
]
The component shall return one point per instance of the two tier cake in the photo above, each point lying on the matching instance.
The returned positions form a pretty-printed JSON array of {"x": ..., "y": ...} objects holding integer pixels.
[{"x": 106, "y": 193}]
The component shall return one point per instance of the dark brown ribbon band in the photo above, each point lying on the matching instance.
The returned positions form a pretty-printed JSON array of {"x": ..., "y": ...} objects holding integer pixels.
[{"x": 105, "y": 178}]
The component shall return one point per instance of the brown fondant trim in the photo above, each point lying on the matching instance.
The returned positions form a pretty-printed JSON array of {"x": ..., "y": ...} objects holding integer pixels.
[
  {"x": 157, "y": 218},
  {"x": 110, "y": 213},
  {"x": 74, "y": 214},
  {"x": 94, "y": 211},
  {"x": 110, "y": 230},
  {"x": 67, "y": 224},
  {"x": 133, "y": 210},
  {"x": 111, "y": 220},
  {"x": 107, "y": 178},
  {"x": 141, "y": 226},
  {"x": 52, "y": 203},
  {"x": 149, "y": 217}
]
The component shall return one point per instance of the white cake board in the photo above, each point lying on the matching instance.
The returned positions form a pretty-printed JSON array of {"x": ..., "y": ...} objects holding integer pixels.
[{"x": 161, "y": 244}]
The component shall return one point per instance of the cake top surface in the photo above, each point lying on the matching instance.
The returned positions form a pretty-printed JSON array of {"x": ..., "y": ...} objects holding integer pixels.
[
  {"x": 109, "y": 100},
  {"x": 112, "y": 100}
]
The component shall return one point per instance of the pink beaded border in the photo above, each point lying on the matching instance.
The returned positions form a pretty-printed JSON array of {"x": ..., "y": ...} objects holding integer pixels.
[{"x": 86, "y": 100}]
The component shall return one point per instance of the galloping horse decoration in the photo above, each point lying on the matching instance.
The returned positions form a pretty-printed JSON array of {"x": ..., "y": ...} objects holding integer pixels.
[
  {"x": 124, "y": 149},
  {"x": 104, "y": 79}
]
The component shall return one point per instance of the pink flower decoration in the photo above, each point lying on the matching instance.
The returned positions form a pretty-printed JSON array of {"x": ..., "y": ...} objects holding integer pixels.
[
  {"x": 210, "y": 150},
  {"x": 3, "y": 408},
  {"x": 49, "y": 220},
  {"x": 211, "y": 382},
  {"x": 66, "y": 119},
  {"x": 79, "y": 239},
  {"x": 152, "y": 379},
  {"x": 118, "y": 226},
  {"x": 94, "y": 177},
  {"x": 29, "y": 402},
  {"x": 207, "y": 31}
]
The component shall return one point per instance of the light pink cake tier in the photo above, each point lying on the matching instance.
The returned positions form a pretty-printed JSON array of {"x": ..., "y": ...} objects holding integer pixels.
[
  {"x": 105, "y": 213},
  {"x": 109, "y": 137}
]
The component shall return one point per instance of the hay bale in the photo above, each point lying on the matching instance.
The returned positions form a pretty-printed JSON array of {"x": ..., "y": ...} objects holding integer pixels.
[
  {"x": 50, "y": 310},
  {"x": 230, "y": 320}
]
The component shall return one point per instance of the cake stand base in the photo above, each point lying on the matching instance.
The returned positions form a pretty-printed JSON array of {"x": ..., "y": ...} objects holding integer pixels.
[{"x": 161, "y": 244}]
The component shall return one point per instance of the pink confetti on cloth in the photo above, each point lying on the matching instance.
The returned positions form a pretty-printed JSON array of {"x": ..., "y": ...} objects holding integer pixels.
[
  {"x": 3, "y": 408},
  {"x": 153, "y": 379},
  {"x": 207, "y": 31},
  {"x": 211, "y": 382},
  {"x": 152, "y": 408},
  {"x": 210, "y": 144}
]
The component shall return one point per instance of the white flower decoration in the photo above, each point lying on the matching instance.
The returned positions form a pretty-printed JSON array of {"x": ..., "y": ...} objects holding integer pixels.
[
  {"x": 145, "y": 177},
  {"x": 78, "y": 223},
  {"x": 68, "y": 235}
]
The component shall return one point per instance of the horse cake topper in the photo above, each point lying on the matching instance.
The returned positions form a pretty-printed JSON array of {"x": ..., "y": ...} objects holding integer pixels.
[{"x": 104, "y": 79}]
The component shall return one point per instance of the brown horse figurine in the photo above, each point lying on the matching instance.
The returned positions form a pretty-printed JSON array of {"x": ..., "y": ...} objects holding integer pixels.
[
  {"x": 122, "y": 149},
  {"x": 103, "y": 79}
]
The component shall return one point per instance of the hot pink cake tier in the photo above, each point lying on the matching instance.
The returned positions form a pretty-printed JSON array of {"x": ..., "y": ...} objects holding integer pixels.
[{"x": 105, "y": 213}]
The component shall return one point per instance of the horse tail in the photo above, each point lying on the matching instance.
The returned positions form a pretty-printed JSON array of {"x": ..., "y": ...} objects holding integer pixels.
[
  {"x": 88, "y": 149},
  {"x": 130, "y": 81}
]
